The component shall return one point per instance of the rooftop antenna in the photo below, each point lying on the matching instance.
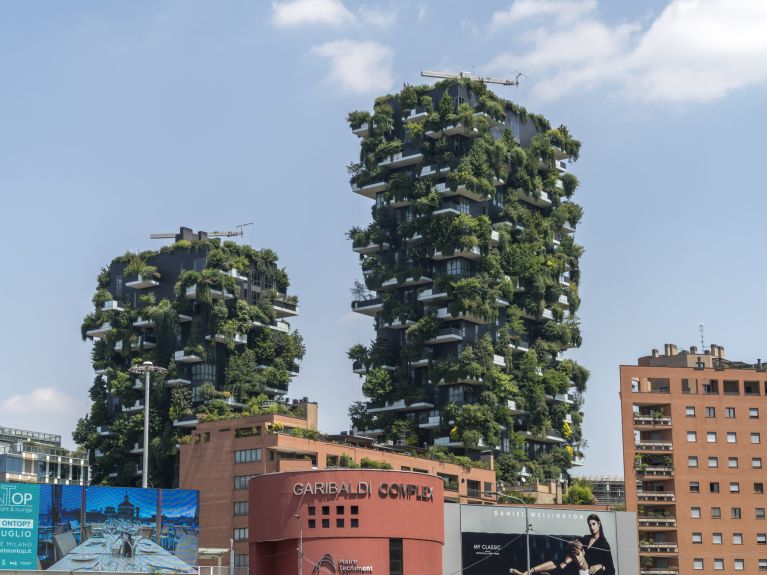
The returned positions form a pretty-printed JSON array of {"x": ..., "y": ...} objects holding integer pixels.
[
  {"x": 702, "y": 339},
  {"x": 216, "y": 234},
  {"x": 470, "y": 76}
]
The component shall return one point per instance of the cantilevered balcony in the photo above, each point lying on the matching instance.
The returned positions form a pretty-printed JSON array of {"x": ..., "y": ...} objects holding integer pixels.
[
  {"x": 470, "y": 253},
  {"x": 181, "y": 356},
  {"x": 137, "y": 448},
  {"x": 562, "y": 301},
  {"x": 649, "y": 446},
  {"x": 547, "y": 314},
  {"x": 111, "y": 305},
  {"x": 657, "y": 547},
  {"x": 578, "y": 461},
  {"x": 363, "y": 131},
  {"x": 398, "y": 324},
  {"x": 143, "y": 323},
  {"x": 134, "y": 408},
  {"x": 400, "y": 405},
  {"x": 103, "y": 431},
  {"x": 423, "y": 362},
  {"x": 222, "y": 294},
  {"x": 656, "y": 496},
  {"x": 448, "y": 209},
  {"x": 238, "y": 338},
  {"x": 415, "y": 115},
  {"x": 656, "y": 521},
  {"x": 359, "y": 368},
  {"x": 542, "y": 200},
  {"x": 183, "y": 318},
  {"x": 178, "y": 381},
  {"x": 433, "y": 170},
  {"x": 651, "y": 420},
  {"x": 100, "y": 331},
  {"x": 284, "y": 308},
  {"x": 399, "y": 160},
  {"x": 447, "y": 442},
  {"x": 567, "y": 398},
  {"x": 670, "y": 570},
  {"x": 408, "y": 282},
  {"x": 444, "y": 314},
  {"x": 281, "y": 326},
  {"x": 368, "y": 248},
  {"x": 522, "y": 346},
  {"x": 452, "y": 130},
  {"x": 142, "y": 283},
  {"x": 513, "y": 409},
  {"x": 568, "y": 228},
  {"x": 430, "y": 295},
  {"x": 491, "y": 122},
  {"x": 431, "y": 421},
  {"x": 499, "y": 360},
  {"x": 369, "y": 190},
  {"x": 190, "y": 421},
  {"x": 655, "y": 471},
  {"x": 560, "y": 167},
  {"x": 461, "y": 190},
  {"x": 446, "y": 335},
  {"x": 369, "y": 307},
  {"x": 564, "y": 279}
]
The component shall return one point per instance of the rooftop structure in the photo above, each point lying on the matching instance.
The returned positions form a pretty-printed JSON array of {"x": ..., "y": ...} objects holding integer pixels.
[{"x": 36, "y": 457}]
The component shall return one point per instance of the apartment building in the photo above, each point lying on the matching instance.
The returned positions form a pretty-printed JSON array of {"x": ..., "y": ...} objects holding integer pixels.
[
  {"x": 214, "y": 313},
  {"x": 470, "y": 271},
  {"x": 694, "y": 444},
  {"x": 35, "y": 457},
  {"x": 222, "y": 456}
]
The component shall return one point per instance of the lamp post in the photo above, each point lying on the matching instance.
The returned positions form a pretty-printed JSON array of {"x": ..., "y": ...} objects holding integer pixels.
[
  {"x": 527, "y": 521},
  {"x": 146, "y": 368},
  {"x": 300, "y": 545}
]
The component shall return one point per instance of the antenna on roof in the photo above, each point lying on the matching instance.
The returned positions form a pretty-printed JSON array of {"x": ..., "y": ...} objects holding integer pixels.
[
  {"x": 702, "y": 339},
  {"x": 217, "y": 234},
  {"x": 470, "y": 76}
]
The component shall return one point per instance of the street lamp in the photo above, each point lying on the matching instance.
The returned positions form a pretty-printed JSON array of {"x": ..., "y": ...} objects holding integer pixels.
[
  {"x": 300, "y": 545},
  {"x": 527, "y": 521},
  {"x": 146, "y": 368}
]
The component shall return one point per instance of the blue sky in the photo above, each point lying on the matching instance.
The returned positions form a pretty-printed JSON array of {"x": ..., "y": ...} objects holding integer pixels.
[{"x": 118, "y": 119}]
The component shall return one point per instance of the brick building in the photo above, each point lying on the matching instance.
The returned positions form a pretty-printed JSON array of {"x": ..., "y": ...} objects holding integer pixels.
[{"x": 694, "y": 451}]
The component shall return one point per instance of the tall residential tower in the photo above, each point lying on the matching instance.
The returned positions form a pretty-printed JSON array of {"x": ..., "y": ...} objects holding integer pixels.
[{"x": 471, "y": 272}]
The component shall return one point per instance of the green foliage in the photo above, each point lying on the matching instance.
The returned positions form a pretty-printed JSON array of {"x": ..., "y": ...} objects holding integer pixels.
[
  {"x": 366, "y": 463},
  {"x": 579, "y": 493}
]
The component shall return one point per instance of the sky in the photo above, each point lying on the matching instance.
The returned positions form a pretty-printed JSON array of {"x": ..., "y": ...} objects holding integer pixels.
[{"x": 120, "y": 119}]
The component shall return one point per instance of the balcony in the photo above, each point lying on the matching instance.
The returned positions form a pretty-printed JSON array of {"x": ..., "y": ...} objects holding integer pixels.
[
  {"x": 135, "y": 408},
  {"x": 409, "y": 282},
  {"x": 399, "y": 405},
  {"x": 444, "y": 314},
  {"x": 568, "y": 228},
  {"x": 178, "y": 381},
  {"x": 659, "y": 471},
  {"x": 399, "y": 160},
  {"x": 98, "y": 453},
  {"x": 578, "y": 461},
  {"x": 414, "y": 238},
  {"x": 452, "y": 130},
  {"x": 561, "y": 167},
  {"x": 100, "y": 331},
  {"x": 373, "y": 433},
  {"x": 398, "y": 324},
  {"x": 550, "y": 437},
  {"x": 472, "y": 253},
  {"x": 446, "y": 335},
  {"x": 499, "y": 360},
  {"x": 111, "y": 305},
  {"x": 564, "y": 279},
  {"x": 138, "y": 384},
  {"x": 495, "y": 238},
  {"x": 103, "y": 431},
  {"x": 567, "y": 398},
  {"x": 143, "y": 323},
  {"x": 656, "y": 496},
  {"x": 137, "y": 449},
  {"x": 461, "y": 380},
  {"x": 370, "y": 248},
  {"x": 542, "y": 201},
  {"x": 363, "y": 131},
  {"x": 654, "y": 446},
  {"x": 513, "y": 409},
  {"x": 547, "y": 314},
  {"x": 652, "y": 421},
  {"x": 672, "y": 570},
  {"x": 238, "y": 338},
  {"x": 522, "y": 346},
  {"x": 221, "y": 294},
  {"x": 447, "y": 442},
  {"x": 284, "y": 308},
  {"x": 663, "y": 522},
  {"x": 234, "y": 272},
  {"x": 433, "y": 170},
  {"x": 191, "y": 421},
  {"x": 181, "y": 356},
  {"x": 416, "y": 115},
  {"x": 143, "y": 342},
  {"x": 359, "y": 368},
  {"x": 491, "y": 122},
  {"x": 183, "y": 318},
  {"x": 647, "y": 547},
  {"x": 447, "y": 209},
  {"x": 428, "y": 295},
  {"x": 562, "y": 301},
  {"x": 431, "y": 422},
  {"x": 281, "y": 326},
  {"x": 369, "y": 307},
  {"x": 461, "y": 190},
  {"x": 423, "y": 362},
  {"x": 370, "y": 190},
  {"x": 142, "y": 283}
]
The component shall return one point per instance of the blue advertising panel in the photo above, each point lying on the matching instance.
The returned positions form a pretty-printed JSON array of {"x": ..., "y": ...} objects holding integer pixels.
[
  {"x": 19, "y": 505},
  {"x": 95, "y": 528}
]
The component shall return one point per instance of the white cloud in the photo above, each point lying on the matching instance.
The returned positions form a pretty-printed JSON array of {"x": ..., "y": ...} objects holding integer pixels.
[
  {"x": 561, "y": 10},
  {"x": 297, "y": 12},
  {"x": 358, "y": 67},
  {"x": 383, "y": 19},
  {"x": 695, "y": 50},
  {"x": 422, "y": 10},
  {"x": 41, "y": 401}
]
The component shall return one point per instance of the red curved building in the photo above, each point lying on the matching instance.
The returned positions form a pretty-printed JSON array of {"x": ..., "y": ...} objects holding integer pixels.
[{"x": 351, "y": 520}]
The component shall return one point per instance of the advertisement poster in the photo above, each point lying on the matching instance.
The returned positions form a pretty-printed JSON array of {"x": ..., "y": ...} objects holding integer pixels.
[
  {"x": 562, "y": 541},
  {"x": 95, "y": 528},
  {"x": 19, "y": 505}
]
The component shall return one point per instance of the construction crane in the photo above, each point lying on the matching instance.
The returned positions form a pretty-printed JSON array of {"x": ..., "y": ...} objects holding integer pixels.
[
  {"x": 470, "y": 76},
  {"x": 240, "y": 231}
]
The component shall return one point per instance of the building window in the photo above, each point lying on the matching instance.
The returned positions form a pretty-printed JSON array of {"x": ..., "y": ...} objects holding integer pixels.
[
  {"x": 732, "y": 437},
  {"x": 760, "y": 512},
  {"x": 716, "y": 538},
  {"x": 713, "y": 487},
  {"x": 247, "y": 455},
  {"x": 759, "y": 488},
  {"x": 240, "y": 507},
  {"x": 395, "y": 557},
  {"x": 692, "y": 461},
  {"x": 737, "y": 539},
  {"x": 716, "y": 512},
  {"x": 762, "y": 564},
  {"x": 339, "y": 522},
  {"x": 326, "y": 523},
  {"x": 692, "y": 437},
  {"x": 355, "y": 510},
  {"x": 241, "y": 481},
  {"x": 740, "y": 565},
  {"x": 756, "y": 462},
  {"x": 697, "y": 564},
  {"x": 729, "y": 412},
  {"x": 339, "y": 509},
  {"x": 711, "y": 412},
  {"x": 697, "y": 537},
  {"x": 761, "y": 538},
  {"x": 695, "y": 512},
  {"x": 753, "y": 412},
  {"x": 694, "y": 487},
  {"x": 312, "y": 523},
  {"x": 242, "y": 560},
  {"x": 326, "y": 509},
  {"x": 756, "y": 438},
  {"x": 734, "y": 487},
  {"x": 312, "y": 510},
  {"x": 241, "y": 534},
  {"x": 732, "y": 462},
  {"x": 711, "y": 437},
  {"x": 735, "y": 513},
  {"x": 718, "y": 564},
  {"x": 713, "y": 462},
  {"x": 355, "y": 522},
  {"x": 689, "y": 411}
]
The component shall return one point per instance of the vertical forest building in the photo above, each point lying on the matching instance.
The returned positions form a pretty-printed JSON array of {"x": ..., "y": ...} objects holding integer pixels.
[
  {"x": 471, "y": 274},
  {"x": 214, "y": 313}
]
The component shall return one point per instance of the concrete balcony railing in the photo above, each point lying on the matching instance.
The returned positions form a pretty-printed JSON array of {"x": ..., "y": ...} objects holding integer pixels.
[
  {"x": 111, "y": 305},
  {"x": 657, "y": 522},
  {"x": 645, "y": 547},
  {"x": 662, "y": 496},
  {"x": 99, "y": 331},
  {"x": 659, "y": 571},
  {"x": 658, "y": 471},
  {"x": 399, "y": 160},
  {"x": 652, "y": 420},
  {"x": 654, "y": 446},
  {"x": 370, "y": 190},
  {"x": 369, "y": 307}
]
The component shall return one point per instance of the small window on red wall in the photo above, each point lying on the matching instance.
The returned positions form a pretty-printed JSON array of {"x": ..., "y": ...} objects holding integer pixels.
[
  {"x": 355, "y": 510},
  {"x": 312, "y": 523},
  {"x": 325, "y": 523}
]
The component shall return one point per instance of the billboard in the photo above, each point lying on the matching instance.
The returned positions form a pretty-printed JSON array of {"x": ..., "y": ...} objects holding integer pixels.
[
  {"x": 95, "y": 528},
  {"x": 561, "y": 540}
]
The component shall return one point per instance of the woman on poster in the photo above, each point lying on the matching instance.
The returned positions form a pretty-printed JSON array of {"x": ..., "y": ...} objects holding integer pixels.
[{"x": 598, "y": 553}]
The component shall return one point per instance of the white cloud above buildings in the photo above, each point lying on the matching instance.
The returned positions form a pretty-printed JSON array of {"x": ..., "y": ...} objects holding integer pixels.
[
  {"x": 298, "y": 12},
  {"x": 41, "y": 401},
  {"x": 358, "y": 67},
  {"x": 694, "y": 50}
]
